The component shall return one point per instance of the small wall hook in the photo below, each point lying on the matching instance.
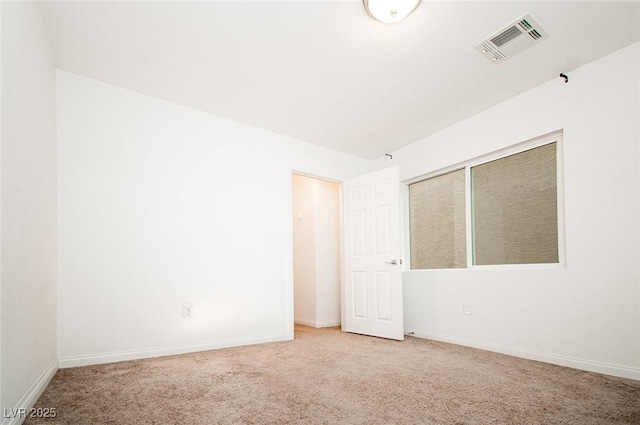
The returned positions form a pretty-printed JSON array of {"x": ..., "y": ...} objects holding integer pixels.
[
  {"x": 389, "y": 155},
  {"x": 565, "y": 76}
]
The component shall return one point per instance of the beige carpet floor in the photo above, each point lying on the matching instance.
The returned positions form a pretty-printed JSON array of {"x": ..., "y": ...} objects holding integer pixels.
[{"x": 325, "y": 376}]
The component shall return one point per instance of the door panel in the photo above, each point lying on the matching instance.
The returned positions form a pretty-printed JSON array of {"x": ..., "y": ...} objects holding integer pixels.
[
  {"x": 358, "y": 234},
  {"x": 384, "y": 295},
  {"x": 360, "y": 295},
  {"x": 381, "y": 214},
  {"x": 373, "y": 275}
]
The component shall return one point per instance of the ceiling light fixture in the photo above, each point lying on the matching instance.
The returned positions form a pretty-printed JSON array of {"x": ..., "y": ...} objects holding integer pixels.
[{"x": 390, "y": 11}]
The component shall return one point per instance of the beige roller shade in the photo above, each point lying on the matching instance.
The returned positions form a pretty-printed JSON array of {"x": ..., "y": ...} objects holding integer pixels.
[
  {"x": 437, "y": 222},
  {"x": 514, "y": 201}
]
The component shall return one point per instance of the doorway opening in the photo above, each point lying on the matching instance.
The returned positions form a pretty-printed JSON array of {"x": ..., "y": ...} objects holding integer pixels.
[{"x": 317, "y": 265}]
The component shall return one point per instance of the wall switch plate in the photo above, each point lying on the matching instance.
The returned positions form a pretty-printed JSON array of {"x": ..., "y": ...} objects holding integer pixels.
[
  {"x": 466, "y": 308},
  {"x": 187, "y": 310}
]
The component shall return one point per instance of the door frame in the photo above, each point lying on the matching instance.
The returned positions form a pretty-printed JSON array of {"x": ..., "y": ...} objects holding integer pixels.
[{"x": 289, "y": 236}]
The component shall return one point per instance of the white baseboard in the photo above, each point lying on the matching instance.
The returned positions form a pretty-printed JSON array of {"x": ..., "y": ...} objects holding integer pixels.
[
  {"x": 328, "y": 323},
  {"x": 122, "y": 356},
  {"x": 31, "y": 396},
  {"x": 576, "y": 363},
  {"x": 317, "y": 324},
  {"x": 310, "y": 323}
]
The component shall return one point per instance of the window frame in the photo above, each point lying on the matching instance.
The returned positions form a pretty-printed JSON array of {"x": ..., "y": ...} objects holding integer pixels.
[{"x": 557, "y": 137}]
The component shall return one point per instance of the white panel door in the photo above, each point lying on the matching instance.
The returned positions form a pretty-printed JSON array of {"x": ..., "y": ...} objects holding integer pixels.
[{"x": 373, "y": 272}]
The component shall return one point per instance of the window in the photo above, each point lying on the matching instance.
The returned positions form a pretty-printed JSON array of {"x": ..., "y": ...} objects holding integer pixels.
[
  {"x": 437, "y": 221},
  {"x": 513, "y": 214}
]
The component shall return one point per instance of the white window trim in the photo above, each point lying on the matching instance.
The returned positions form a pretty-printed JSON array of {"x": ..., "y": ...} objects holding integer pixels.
[{"x": 557, "y": 137}]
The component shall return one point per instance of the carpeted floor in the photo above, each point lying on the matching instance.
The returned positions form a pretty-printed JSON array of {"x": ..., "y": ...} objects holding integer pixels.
[{"x": 326, "y": 376}]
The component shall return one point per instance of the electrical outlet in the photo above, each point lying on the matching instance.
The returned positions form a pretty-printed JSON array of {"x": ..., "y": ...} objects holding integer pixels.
[
  {"x": 466, "y": 308},
  {"x": 187, "y": 310}
]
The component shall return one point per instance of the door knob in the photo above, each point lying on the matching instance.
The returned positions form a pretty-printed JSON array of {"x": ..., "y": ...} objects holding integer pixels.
[{"x": 392, "y": 262}]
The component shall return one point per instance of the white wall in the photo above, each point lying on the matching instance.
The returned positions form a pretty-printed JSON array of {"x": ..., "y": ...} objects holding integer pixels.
[
  {"x": 587, "y": 315},
  {"x": 328, "y": 253},
  {"x": 28, "y": 228},
  {"x": 304, "y": 249},
  {"x": 316, "y": 235},
  {"x": 160, "y": 205}
]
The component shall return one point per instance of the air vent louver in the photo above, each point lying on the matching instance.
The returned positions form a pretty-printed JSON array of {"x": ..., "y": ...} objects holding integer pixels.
[
  {"x": 506, "y": 36},
  {"x": 497, "y": 55},
  {"x": 525, "y": 25},
  {"x": 534, "y": 34},
  {"x": 512, "y": 39}
]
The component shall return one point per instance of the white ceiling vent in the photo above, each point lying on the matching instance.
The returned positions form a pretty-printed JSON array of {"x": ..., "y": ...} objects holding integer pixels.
[{"x": 511, "y": 40}]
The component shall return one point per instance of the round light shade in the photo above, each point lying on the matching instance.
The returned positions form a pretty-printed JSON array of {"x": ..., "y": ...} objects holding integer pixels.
[{"x": 390, "y": 11}]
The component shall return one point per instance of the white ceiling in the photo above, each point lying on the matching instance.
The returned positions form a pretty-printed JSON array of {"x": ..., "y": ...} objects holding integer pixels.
[{"x": 324, "y": 72}]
